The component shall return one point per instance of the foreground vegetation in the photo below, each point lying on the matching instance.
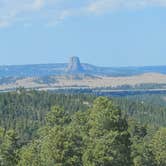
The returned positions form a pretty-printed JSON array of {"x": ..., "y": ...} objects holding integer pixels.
[{"x": 44, "y": 129}]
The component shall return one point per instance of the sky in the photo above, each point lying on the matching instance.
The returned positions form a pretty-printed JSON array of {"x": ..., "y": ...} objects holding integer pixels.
[{"x": 99, "y": 32}]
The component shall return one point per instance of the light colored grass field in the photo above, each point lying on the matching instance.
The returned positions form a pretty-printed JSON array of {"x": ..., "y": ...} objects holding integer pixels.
[{"x": 63, "y": 81}]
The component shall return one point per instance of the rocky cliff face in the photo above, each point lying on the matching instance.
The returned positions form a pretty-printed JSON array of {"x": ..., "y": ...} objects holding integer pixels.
[{"x": 74, "y": 66}]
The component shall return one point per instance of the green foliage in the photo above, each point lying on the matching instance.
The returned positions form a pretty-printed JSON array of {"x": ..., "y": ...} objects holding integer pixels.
[
  {"x": 25, "y": 111},
  {"x": 58, "y": 144},
  {"x": 108, "y": 139},
  {"x": 30, "y": 154},
  {"x": 147, "y": 109},
  {"x": 57, "y": 116},
  {"x": 79, "y": 133},
  {"x": 158, "y": 146},
  {"x": 8, "y": 148},
  {"x": 97, "y": 137}
]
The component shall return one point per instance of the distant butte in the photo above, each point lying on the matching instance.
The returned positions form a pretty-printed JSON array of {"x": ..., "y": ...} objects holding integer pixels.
[{"x": 74, "y": 66}]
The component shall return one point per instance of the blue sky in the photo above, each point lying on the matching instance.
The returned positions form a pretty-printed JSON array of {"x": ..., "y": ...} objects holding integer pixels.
[{"x": 100, "y": 32}]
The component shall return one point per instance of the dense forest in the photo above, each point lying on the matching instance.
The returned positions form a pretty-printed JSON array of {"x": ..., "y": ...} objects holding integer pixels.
[{"x": 50, "y": 129}]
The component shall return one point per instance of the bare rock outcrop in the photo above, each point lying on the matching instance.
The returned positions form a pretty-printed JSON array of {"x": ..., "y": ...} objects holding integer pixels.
[{"x": 74, "y": 66}]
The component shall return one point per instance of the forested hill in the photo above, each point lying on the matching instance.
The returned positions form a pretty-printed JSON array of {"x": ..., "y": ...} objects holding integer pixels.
[
  {"x": 48, "y": 129},
  {"x": 74, "y": 67}
]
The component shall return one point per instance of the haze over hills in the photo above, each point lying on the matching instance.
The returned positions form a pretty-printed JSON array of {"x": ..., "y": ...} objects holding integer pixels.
[
  {"x": 77, "y": 74},
  {"x": 75, "y": 67}
]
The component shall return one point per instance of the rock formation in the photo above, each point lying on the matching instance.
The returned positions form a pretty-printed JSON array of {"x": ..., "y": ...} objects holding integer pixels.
[{"x": 74, "y": 66}]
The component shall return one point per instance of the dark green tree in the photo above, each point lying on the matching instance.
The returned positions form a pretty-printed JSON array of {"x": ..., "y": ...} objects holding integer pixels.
[{"x": 108, "y": 141}]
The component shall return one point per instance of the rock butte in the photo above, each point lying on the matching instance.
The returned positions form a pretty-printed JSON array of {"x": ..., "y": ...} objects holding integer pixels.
[{"x": 74, "y": 66}]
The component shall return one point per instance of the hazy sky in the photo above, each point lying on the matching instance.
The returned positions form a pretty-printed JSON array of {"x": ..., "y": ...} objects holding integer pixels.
[{"x": 100, "y": 32}]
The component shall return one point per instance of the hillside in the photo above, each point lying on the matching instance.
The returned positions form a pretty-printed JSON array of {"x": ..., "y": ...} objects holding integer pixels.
[
  {"x": 75, "y": 66},
  {"x": 77, "y": 74}
]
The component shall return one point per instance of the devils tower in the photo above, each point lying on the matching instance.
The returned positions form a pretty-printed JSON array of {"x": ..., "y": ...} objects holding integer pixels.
[{"x": 74, "y": 66}]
